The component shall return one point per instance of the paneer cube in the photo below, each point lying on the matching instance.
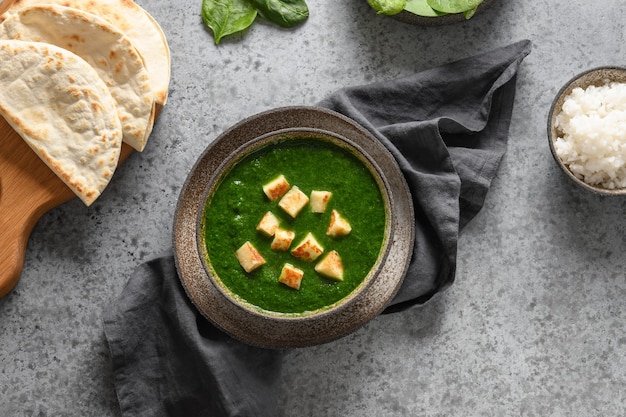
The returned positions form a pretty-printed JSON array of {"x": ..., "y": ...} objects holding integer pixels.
[
  {"x": 331, "y": 266},
  {"x": 293, "y": 201},
  {"x": 291, "y": 276},
  {"x": 319, "y": 200},
  {"x": 338, "y": 226},
  {"x": 276, "y": 188},
  {"x": 249, "y": 258},
  {"x": 282, "y": 239},
  {"x": 268, "y": 224},
  {"x": 308, "y": 249}
]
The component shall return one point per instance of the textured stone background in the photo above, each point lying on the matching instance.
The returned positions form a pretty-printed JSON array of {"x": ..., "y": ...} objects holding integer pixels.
[{"x": 535, "y": 324}]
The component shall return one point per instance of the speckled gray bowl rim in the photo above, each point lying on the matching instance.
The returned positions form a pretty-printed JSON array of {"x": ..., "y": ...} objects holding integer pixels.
[
  {"x": 446, "y": 19},
  {"x": 596, "y": 76},
  {"x": 282, "y": 136},
  {"x": 263, "y": 331}
]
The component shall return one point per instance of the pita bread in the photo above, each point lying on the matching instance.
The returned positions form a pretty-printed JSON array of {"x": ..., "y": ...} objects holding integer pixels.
[
  {"x": 62, "y": 109},
  {"x": 134, "y": 22},
  {"x": 105, "y": 48}
]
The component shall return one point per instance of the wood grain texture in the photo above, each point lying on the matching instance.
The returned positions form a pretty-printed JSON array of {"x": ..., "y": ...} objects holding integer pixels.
[{"x": 28, "y": 189}]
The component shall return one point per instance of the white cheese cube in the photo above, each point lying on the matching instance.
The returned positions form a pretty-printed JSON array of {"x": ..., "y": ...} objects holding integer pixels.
[
  {"x": 309, "y": 249},
  {"x": 268, "y": 224},
  {"x": 293, "y": 201},
  {"x": 319, "y": 199},
  {"x": 282, "y": 239},
  {"x": 291, "y": 276},
  {"x": 338, "y": 226},
  {"x": 331, "y": 266},
  {"x": 249, "y": 258},
  {"x": 276, "y": 188}
]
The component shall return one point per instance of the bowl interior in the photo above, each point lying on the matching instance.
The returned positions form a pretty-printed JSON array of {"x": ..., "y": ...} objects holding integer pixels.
[
  {"x": 285, "y": 136},
  {"x": 596, "y": 77}
]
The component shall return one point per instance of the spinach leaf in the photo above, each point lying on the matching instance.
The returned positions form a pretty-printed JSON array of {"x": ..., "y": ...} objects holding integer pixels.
[
  {"x": 285, "y": 13},
  {"x": 454, "y": 6},
  {"x": 421, "y": 8},
  {"x": 388, "y": 7},
  {"x": 469, "y": 13},
  {"x": 225, "y": 17}
]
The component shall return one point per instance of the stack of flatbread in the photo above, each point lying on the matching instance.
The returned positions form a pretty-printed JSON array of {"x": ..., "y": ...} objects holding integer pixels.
[{"x": 78, "y": 78}]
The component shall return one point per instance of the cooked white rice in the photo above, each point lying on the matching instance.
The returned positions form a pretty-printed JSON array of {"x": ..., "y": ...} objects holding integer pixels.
[{"x": 592, "y": 134}]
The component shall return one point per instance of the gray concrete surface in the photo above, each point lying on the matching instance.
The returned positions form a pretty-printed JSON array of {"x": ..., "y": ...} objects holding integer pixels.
[{"x": 535, "y": 324}]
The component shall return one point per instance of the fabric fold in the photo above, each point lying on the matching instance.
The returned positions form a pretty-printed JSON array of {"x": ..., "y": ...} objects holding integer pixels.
[
  {"x": 447, "y": 127},
  {"x": 169, "y": 361}
]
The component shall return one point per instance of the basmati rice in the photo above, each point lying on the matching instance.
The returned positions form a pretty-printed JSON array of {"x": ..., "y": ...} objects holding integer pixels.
[{"x": 591, "y": 138}]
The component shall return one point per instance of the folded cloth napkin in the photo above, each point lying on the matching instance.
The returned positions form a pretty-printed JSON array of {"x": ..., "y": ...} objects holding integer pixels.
[{"x": 447, "y": 128}]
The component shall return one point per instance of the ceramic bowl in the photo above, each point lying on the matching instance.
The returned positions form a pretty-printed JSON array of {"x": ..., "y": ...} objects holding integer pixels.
[
  {"x": 247, "y": 322},
  {"x": 447, "y": 19},
  {"x": 283, "y": 137},
  {"x": 597, "y": 77}
]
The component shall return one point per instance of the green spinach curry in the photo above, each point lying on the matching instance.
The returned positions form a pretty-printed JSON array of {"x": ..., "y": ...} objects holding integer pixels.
[{"x": 238, "y": 203}]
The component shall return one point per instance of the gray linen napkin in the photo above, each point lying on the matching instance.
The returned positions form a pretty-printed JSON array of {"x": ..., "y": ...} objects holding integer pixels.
[{"x": 447, "y": 128}]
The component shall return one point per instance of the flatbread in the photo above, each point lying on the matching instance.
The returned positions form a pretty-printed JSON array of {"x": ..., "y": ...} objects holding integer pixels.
[
  {"x": 105, "y": 48},
  {"x": 62, "y": 109},
  {"x": 136, "y": 23}
]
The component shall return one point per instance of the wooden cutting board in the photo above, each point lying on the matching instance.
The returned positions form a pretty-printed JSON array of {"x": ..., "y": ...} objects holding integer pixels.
[{"x": 28, "y": 189}]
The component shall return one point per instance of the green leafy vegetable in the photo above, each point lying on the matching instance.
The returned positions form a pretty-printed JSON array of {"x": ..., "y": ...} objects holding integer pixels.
[
  {"x": 285, "y": 13},
  {"x": 387, "y": 7},
  {"x": 225, "y": 17},
  {"x": 421, "y": 8},
  {"x": 454, "y": 6},
  {"x": 469, "y": 13},
  {"x": 435, "y": 8}
]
